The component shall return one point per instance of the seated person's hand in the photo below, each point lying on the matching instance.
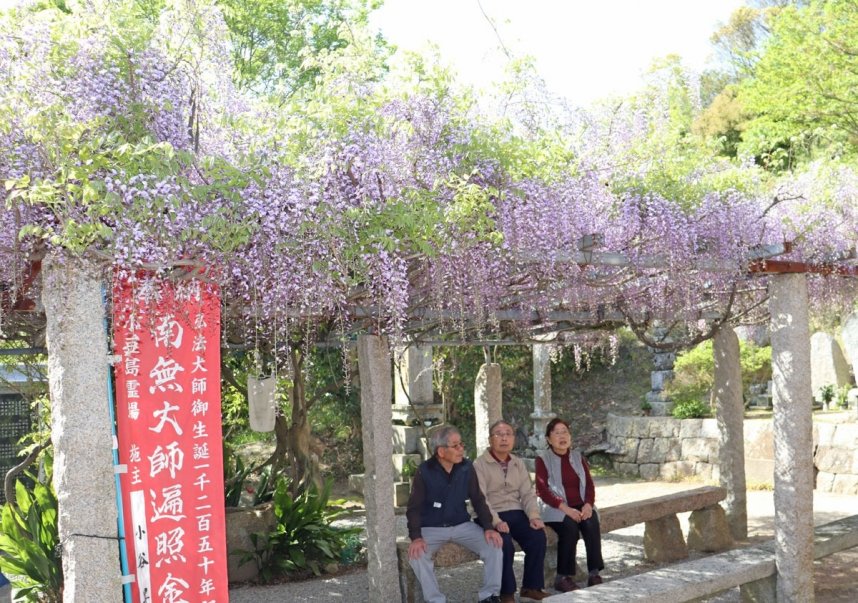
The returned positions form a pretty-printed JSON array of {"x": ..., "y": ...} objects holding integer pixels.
[
  {"x": 573, "y": 513},
  {"x": 537, "y": 524},
  {"x": 586, "y": 512},
  {"x": 502, "y": 527},
  {"x": 494, "y": 539},
  {"x": 417, "y": 548}
]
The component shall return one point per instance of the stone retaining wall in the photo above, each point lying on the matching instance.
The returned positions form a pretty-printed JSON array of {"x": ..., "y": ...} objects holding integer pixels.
[{"x": 664, "y": 448}]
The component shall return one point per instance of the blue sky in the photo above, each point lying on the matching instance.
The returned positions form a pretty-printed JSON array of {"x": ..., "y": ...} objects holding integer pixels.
[{"x": 585, "y": 49}]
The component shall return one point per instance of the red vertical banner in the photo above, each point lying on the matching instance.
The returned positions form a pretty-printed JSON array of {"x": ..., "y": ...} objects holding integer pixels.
[{"x": 167, "y": 339}]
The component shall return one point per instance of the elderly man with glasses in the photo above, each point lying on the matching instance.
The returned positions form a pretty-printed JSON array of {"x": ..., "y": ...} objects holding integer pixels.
[
  {"x": 437, "y": 514},
  {"x": 505, "y": 481}
]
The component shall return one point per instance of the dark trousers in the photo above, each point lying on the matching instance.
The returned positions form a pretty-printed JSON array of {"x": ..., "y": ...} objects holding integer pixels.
[
  {"x": 532, "y": 542},
  {"x": 568, "y": 532}
]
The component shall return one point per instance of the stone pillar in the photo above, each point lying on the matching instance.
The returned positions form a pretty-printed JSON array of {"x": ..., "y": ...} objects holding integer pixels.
[
  {"x": 541, "y": 393},
  {"x": 81, "y": 432},
  {"x": 660, "y": 376},
  {"x": 413, "y": 395},
  {"x": 793, "y": 436},
  {"x": 488, "y": 402},
  {"x": 729, "y": 412},
  {"x": 850, "y": 342},
  {"x": 375, "y": 406}
]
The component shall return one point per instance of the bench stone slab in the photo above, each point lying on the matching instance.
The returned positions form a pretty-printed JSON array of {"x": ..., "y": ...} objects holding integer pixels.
[
  {"x": 628, "y": 514},
  {"x": 681, "y": 582}
]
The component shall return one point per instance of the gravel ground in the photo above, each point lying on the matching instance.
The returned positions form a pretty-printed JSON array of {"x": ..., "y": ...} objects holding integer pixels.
[{"x": 837, "y": 576}]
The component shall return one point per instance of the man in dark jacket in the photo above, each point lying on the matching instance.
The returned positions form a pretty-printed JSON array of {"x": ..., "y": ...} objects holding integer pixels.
[{"x": 437, "y": 514}]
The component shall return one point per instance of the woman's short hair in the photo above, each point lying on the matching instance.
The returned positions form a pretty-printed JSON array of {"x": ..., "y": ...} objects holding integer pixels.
[{"x": 441, "y": 437}]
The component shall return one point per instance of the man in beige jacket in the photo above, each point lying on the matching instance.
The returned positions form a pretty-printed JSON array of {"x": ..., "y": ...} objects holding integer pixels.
[{"x": 506, "y": 484}]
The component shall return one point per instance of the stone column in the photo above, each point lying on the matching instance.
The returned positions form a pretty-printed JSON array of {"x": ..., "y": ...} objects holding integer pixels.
[
  {"x": 488, "y": 402},
  {"x": 850, "y": 341},
  {"x": 793, "y": 436},
  {"x": 729, "y": 412},
  {"x": 375, "y": 406},
  {"x": 541, "y": 393},
  {"x": 81, "y": 432}
]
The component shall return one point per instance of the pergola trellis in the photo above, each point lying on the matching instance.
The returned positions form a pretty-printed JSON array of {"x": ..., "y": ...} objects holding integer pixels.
[{"x": 78, "y": 354}]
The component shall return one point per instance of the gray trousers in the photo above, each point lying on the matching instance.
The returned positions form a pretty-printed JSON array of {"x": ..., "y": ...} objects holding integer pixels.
[{"x": 470, "y": 536}]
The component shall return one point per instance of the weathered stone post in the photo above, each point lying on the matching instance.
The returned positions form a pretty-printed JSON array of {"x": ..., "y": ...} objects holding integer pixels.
[
  {"x": 81, "y": 432},
  {"x": 488, "y": 402},
  {"x": 729, "y": 412},
  {"x": 375, "y": 405},
  {"x": 541, "y": 393},
  {"x": 793, "y": 436},
  {"x": 414, "y": 376},
  {"x": 413, "y": 393}
]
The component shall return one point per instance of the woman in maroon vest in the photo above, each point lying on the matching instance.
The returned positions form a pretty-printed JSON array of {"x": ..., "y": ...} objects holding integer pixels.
[{"x": 567, "y": 497}]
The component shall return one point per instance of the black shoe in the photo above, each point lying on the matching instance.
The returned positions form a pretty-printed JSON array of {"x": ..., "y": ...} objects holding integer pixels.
[
  {"x": 594, "y": 580},
  {"x": 492, "y": 599}
]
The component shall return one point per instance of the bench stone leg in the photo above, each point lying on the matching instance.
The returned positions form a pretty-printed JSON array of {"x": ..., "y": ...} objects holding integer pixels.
[
  {"x": 408, "y": 586},
  {"x": 549, "y": 568},
  {"x": 709, "y": 531},
  {"x": 760, "y": 591},
  {"x": 663, "y": 540}
]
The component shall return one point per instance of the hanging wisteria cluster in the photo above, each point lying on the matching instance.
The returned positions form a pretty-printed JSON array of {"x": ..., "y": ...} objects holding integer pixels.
[{"x": 400, "y": 219}]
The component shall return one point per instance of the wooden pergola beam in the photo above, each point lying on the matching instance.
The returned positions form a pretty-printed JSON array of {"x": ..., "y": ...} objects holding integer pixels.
[{"x": 788, "y": 267}]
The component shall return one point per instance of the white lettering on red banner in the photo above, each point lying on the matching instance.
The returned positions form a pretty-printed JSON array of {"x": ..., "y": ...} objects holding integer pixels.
[{"x": 168, "y": 422}]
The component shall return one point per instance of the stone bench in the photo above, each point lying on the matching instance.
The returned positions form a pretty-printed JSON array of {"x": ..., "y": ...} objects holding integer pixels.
[
  {"x": 663, "y": 538},
  {"x": 751, "y": 568}
]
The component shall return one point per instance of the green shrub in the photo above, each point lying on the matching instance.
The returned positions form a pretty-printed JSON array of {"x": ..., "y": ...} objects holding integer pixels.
[
  {"x": 29, "y": 540},
  {"x": 694, "y": 371},
  {"x": 691, "y": 409},
  {"x": 843, "y": 397},
  {"x": 239, "y": 478},
  {"x": 303, "y": 538}
]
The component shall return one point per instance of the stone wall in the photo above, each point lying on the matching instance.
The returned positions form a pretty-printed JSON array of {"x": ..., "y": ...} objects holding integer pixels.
[
  {"x": 664, "y": 448},
  {"x": 835, "y": 456}
]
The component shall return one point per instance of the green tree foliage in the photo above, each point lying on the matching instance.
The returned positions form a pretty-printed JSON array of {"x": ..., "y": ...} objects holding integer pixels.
[
  {"x": 802, "y": 93},
  {"x": 694, "y": 372},
  {"x": 723, "y": 121},
  {"x": 737, "y": 40},
  {"x": 671, "y": 159},
  {"x": 272, "y": 39}
]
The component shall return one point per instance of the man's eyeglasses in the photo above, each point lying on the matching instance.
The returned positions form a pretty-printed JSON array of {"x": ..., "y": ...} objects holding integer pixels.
[{"x": 456, "y": 445}]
